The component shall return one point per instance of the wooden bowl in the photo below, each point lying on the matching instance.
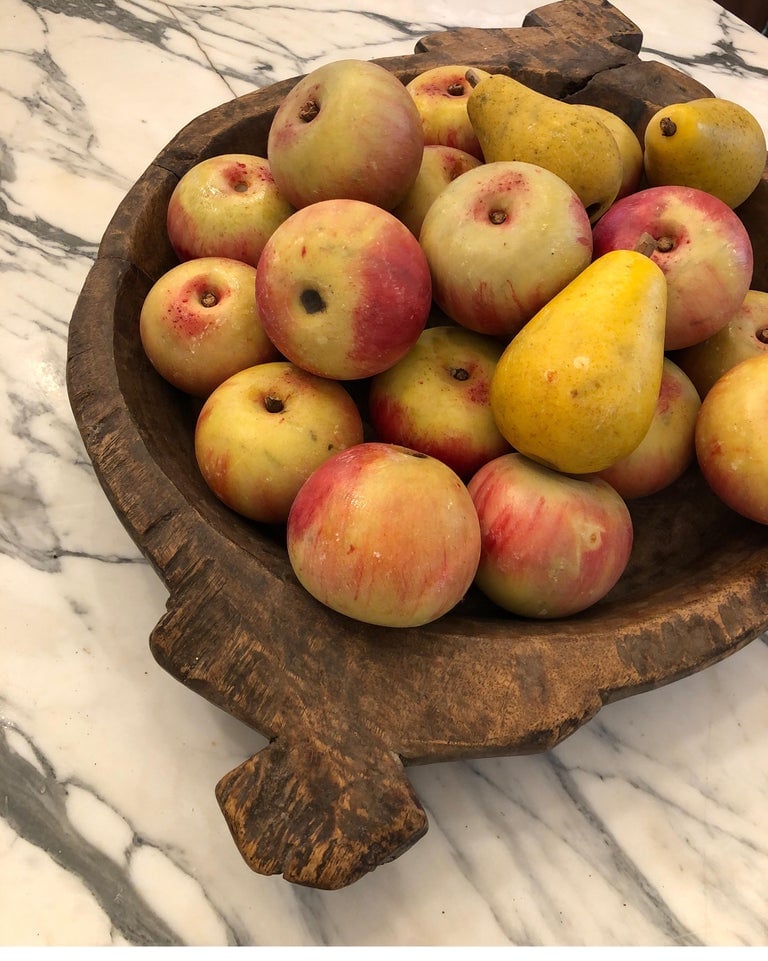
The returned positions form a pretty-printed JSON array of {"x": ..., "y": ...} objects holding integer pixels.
[{"x": 347, "y": 706}]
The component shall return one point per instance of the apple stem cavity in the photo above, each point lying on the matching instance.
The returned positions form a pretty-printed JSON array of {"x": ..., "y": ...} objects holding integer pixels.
[
  {"x": 459, "y": 373},
  {"x": 241, "y": 186},
  {"x": 311, "y": 301},
  {"x": 762, "y": 335},
  {"x": 273, "y": 405},
  {"x": 668, "y": 127},
  {"x": 309, "y": 110},
  {"x": 456, "y": 89},
  {"x": 209, "y": 299},
  {"x": 497, "y": 216}
]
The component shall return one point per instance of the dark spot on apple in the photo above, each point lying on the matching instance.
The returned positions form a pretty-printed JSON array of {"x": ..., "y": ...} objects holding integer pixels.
[
  {"x": 309, "y": 110},
  {"x": 497, "y": 216},
  {"x": 459, "y": 373},
  {"x": 762, "y": 335},
  {"x": 208, "y": 299},
  {"x": 311, "y": 301},
  {"x": 456, "y": 89},
  {"x": 273, "y": 404},
  {"x": 668, "y": 127}
]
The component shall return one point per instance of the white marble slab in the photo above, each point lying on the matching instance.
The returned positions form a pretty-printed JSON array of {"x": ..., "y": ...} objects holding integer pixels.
[{"x": 646, "y": 827}]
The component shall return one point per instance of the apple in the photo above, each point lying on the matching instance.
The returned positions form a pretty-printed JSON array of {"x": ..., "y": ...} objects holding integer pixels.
[
  {"x": 199, "y": 324},
  {"x": 700, "y": 244},
  {"x": 744, "y": 335},
  {"x": 501, "y": 240},
  {"x": 225, "y": 206},
  {"x": 732, "y": 438},
  {"x": 439, "y": 166},
  {"x": 263, "y": 431},
  {"x": 552, "y": 544},
  {"x": 348, "y": 129},
  {"x": 441, "y": 94},
  {"x": 630, "y": 148},
  {"x": 384, "y": 534},
  {"x": 343, "y": 289},
  {"x": 436, "y": 399},
  {"x": 668, "y": 449}
]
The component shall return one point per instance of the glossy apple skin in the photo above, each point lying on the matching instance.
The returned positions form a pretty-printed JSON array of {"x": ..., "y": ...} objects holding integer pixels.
[
  {"x": 708, "y": 265},
  {"x": 199, "y": 324},
  {"x": 437, "y": 399},
  {"x": 385, "y": 535},
  {"x": 732, "y": 438},
  {"x": 668, "y": 449},
  {"x": 745, "y": 335},
  {"x": 441, "y": 94},
  {"x": 439, "y": 166},
  {"x": 552, "y": 544},
  {"x": 364, "y": 143},
  {"x": 225, "y": 206},
  {"x": 263, "y": 431},
  {"x": 502, "y": 240},
  {"x": 343, "y": 289}
]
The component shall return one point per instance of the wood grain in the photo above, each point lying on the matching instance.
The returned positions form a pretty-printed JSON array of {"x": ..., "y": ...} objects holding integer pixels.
[{"x": 348, "y": 707}]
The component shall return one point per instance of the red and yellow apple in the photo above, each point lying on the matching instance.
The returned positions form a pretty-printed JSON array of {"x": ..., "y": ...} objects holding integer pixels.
[
  {"x": 700, "y": 244},
  {"x": 199, "y": 324},
  {"x": 343, "y": 289},
  {"x": 263, "y": 431},
  {"x": 668, "y": 449},
  {"x": 348, "y": 129},
  {"x": 745, "y": 335},
  {"x": 384, "y": 534},
  {"x": 436, "y": 399},
  {"x": 552, "y": 544},
  {"x": 441, "y": 94},
  {"x": 501, "y": 240},
  {"x": 225, "y": 206},
  {"x": 732, "y": 438}
]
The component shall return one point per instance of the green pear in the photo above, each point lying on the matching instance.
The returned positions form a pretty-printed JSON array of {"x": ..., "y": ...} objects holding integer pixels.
[
  {"x": 577, "y": 387},
  {"x": 513, "y": 122}
]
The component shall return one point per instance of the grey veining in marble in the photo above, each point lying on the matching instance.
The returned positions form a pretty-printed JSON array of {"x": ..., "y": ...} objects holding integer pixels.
[{"x": 646, "y": 827}]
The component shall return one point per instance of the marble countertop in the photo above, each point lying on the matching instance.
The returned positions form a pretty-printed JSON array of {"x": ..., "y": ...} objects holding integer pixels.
[{"x": 646, "y": 827}]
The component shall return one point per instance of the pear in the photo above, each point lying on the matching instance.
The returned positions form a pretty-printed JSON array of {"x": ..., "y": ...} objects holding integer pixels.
[
  {"x": 712, "y": 144},
  {"x": 513, "y": 122},
  {"x": 576, "y": 388}
]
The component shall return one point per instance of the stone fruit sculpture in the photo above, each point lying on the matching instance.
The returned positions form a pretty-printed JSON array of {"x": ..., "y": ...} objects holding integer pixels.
[
  {"x": 514, "y": 122},
  {"x": 501, "y": 240},
  {"x": 441, "y": 95},
  {"x": 577, "y": 387},
  {"x": 439, "y": 166},
  {"x": 225, "y": 206},
  {"x": 732, "y": 438},
  {"x": 437, "y": 399},
  {"x": 698, "y": 242},
  {"x": 263, "y": 431},
  {"x": 347, "y": 129},
  {"x": 552, "y": 545},
  {"x": 630, "y": 148},
  {"x": 199, "y": 324},
  {"x": 386, "y": 535},
  {"x": 343, "y": 289},
  {"x": 709, "y": 143}
]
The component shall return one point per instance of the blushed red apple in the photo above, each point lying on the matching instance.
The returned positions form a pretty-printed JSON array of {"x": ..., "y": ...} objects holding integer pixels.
[
  {"x": 552, "y": 544},
  {"x": 263, "y": 431},
  {"x": 384, "y": 534},
  {"x": 199, "y": 324},
  {"x": 436, "y": 399},
  {"x": 502, "y": 240},
  {"x": 732, "y": 438},
  {"x": 225, "y": 206},
  {"x": 700, "y": 244},
  {"x": 347, "y": 129},
  {"x": 668, "y": 449},
  {"x": 343, "y": 289}
]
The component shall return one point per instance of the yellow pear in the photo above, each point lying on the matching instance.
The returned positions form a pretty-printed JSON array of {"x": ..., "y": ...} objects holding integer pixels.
[
  {"x": 577, "y": 387},
  {"x": 513, "y": 122},
  {"x": 630, "y": 148},
  {"x": 711, "y": 144}
]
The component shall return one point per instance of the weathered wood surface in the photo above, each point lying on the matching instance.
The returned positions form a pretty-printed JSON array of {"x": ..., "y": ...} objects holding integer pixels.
[{"x": 347, "y": 707}]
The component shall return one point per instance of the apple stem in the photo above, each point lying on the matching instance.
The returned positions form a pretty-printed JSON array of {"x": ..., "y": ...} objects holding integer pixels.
[{"x": 668, "y": 127}]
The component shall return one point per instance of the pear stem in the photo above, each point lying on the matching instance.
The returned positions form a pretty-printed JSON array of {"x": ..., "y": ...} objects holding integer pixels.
[
  {"x": 472, "y": 77},
  {"x": 646, "y": 245}
]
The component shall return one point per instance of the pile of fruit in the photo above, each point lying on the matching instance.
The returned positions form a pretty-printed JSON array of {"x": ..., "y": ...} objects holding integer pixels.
[{"x": 450, "y": 348}]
